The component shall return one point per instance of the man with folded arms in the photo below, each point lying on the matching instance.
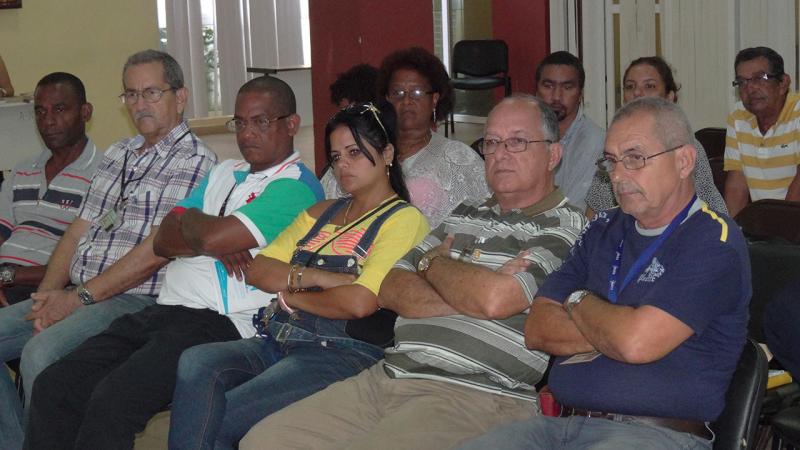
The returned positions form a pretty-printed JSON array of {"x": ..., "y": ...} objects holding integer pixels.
[
  {"x": 105, "y": 391},
  {"x": 648, "y": 315},
  {"x": 106, "y": 251},
  {"x": 459, "y": 364}
]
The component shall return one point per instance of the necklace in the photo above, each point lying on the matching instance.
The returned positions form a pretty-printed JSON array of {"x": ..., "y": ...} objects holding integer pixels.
[{"x": 346, "y": 214}]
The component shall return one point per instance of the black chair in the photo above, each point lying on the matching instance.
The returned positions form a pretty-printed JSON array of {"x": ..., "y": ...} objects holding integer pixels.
[
  {"x": 771, "y": 219},
  {"x": 713, "y": 140},
  {"x": 786, "y": 429},
  {"x": 736, "y": 426},
  {"x": 479, "y": 65},
  {"x": 718, "y": 173}
]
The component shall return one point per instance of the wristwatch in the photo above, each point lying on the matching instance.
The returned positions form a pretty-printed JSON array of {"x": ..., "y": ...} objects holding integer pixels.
[
  {"x": 575, "y": 298},
  {"x": 84, "y": 295},
  {"x": 7, "y": 274},
  {"x": 425, "y": 262}
]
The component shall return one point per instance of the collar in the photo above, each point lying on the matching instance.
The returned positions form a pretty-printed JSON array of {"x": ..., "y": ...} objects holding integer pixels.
[
  {"x": 82, "y": 163},
  {"x": 573, "y": 127},
  {"x": 550, "y": 201},
  {"x": 241, "y": 175},
  {"x": 696, "y": 206},
  {"x": 165, "y": 145}
]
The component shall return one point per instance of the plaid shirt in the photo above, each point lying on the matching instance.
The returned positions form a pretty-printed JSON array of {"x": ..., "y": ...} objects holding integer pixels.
[{"x": 156, "y": 180}]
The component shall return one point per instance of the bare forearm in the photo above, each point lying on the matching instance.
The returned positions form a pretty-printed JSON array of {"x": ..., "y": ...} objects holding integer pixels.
[
  {"x": 548, "y": 328},
  {"x": 131, "y": 270},
  {"x": 736, "y": 192},
  {"x": 268, "y": 274},
  {"x": 793, "y": 194},
  {"x": 343, "y": 302},
  {"x": 169, "y": 241},
  {"x": 57, "y": 273},
  {"x": 474, "y": 290},
  {"x": 410, "y": 296},
  {"x": 29, "y": 276},
  {"x": 609, "y": 328}
]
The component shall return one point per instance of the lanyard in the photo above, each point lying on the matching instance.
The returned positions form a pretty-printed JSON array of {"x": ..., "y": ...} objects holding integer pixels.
[
  {"x": 221, "y": 212},
  {"x": 645, "y": 256},
  {"x": 124, "y": 183}
]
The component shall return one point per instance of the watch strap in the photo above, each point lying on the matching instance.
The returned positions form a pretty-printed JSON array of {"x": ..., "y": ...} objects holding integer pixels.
[{"x": 84, "y": 295}]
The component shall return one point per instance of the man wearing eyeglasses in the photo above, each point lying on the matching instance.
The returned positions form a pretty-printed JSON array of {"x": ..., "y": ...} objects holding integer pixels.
[
  {"x": 559, "y": 82},
  {"x": 107, "y": 252},
  {"x": 762, "y": 151},
  {"x": 459, "y": 364},
  {"x": 647, "y": 316},
  {"x": 106, "y": 390}
]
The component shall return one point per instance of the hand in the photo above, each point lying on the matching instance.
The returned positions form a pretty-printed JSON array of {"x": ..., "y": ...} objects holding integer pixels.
[
  {"x": 516, "y": 264},
  {"x": 3, "y": 299},
  {"x": 236, "y": 263},
  {"x": 443, "y": 249},
  {"x": 50, "y": 307}
]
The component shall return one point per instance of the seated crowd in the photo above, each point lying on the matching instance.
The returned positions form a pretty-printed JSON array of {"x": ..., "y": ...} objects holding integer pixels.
[{"x": 417, "y": 296}]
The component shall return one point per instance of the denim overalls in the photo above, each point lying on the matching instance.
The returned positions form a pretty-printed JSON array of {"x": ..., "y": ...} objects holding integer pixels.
[{"x": 368, "y": 335}]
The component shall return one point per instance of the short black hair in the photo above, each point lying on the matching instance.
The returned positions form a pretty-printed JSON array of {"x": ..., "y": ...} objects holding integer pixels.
[
  {"x": 357, "y": 85},
  {"x": 282, "y": 92},
  {"x": 75, "y": 84},
  {"x": 426, "y": 64},
  {"x": 561, "y": 58},
  {"x": 773, "y": 58}
]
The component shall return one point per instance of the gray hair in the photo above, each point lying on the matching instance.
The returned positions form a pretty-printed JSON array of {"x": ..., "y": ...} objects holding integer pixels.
[
  {"x": 671, "y": 127},
  {"x": 172, "y": 70},
  {"x": 548, "y": 117}
]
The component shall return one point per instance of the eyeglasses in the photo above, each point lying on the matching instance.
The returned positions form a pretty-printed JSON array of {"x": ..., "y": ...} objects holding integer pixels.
[
  {"x": 513, "y": 144},
  {"x": 757, "y": 80},
  {"x": 261, "y": 122},
  {"x": 150, "y": 95},
  {"x": 361, "y": 108},
  {"x": 631, "y": 161},
  {"x": 400, "y": 94}
]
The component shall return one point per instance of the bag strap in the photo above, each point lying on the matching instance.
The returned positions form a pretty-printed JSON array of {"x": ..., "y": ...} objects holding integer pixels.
[{"x": 360, "y": 249}]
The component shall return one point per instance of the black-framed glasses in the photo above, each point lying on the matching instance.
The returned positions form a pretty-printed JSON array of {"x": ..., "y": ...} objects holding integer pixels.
[
  {"x": 512, "y": 144},
  {"x": 150, "y": 95},
  {"x": 760, "y": 79},
  {"x": 631, "y": 161},
  {"x": 237, "y": 125},
  {"x": 400, "y": 94}
]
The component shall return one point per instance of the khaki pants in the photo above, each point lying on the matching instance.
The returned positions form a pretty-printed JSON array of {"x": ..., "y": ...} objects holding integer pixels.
[{"x": 373, "y": 411}]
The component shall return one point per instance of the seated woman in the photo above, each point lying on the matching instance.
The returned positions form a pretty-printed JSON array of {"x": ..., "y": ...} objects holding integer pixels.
[
  {"x": 440, "y": 173},
  {"x": 651, "y": 76},
  {"x": 326, "y": 269}
]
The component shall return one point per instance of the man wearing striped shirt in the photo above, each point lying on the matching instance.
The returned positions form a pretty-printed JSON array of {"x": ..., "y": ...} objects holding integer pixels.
[
  {"x": 762, "y": 147},
  {"x": 45, "y": 192},
  {"x": 107, "y": 252},
  {"x": 459, "y": 364}
]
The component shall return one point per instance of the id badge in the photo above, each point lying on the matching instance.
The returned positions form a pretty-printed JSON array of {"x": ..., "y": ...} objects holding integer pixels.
[
  {"x": 581, "y": 358},
  {"x": 108, "y": 220}
]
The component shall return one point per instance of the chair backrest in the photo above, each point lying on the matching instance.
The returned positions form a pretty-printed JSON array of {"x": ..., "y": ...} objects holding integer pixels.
[
  {"x": 480, "y": 58},
  {"x": 718, "y": 173},
  {"x": 736, "y": 426},
  {"x": 713, "y": 140},
  {"x": 771, "y": 219}
]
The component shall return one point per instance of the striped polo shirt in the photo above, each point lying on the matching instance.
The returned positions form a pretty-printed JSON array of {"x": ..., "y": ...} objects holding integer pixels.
[
  {"x": 769, "y": 161},
  {"x": 33, "y": 214},
  {"x": 155, "y": 180},
  {"x": 487, "y": 354}
]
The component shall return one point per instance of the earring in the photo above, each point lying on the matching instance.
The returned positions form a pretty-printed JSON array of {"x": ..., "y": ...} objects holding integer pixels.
[
  {"x": 388, "y": 168},
  {"x": 434, "y": 114}
]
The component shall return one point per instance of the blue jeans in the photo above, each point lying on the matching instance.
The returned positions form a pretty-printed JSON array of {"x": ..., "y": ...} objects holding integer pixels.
[
  {"x": 38, "y": 352},
  {"x": 225, "y": 388},
  {"x": 576, "y": 432}
]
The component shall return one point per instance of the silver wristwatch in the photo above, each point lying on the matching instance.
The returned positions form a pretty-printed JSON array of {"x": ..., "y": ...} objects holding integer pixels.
[
  {"x": 84, "y": 295},
  {"x": 575, "y": 298},
  {"x": 7, "y": 274}
]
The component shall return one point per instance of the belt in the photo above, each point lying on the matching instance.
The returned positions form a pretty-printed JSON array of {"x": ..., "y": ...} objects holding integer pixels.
[{"x": 694, "y": 427}]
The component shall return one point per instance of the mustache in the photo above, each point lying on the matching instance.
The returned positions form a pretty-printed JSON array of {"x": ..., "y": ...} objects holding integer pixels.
[
  {"x": 141, "y": 115},
  {"x": 623, "y": 187}
]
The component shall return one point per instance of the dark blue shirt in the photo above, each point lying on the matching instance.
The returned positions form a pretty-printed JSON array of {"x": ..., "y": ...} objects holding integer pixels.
[{"x": 701, "y": 276}]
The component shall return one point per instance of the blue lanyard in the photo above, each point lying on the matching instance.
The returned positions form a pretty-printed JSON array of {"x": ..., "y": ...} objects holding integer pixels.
[{"x": 645, "y": 256}]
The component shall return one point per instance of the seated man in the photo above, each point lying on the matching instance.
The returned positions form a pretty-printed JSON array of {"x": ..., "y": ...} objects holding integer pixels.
[
  {"x": 459, "y": 365},
  {"x": 107, "y": 389},
  {"x": 559, "y": 82},
  {"x": 647, "y": 336},
  {"x": 106, "y": 251},
  {"x": 762, "y": 151},
  {"x": 44, "y": 193},
  {"x": 781, "y": 330}
]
